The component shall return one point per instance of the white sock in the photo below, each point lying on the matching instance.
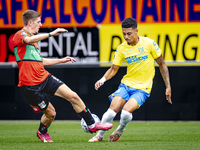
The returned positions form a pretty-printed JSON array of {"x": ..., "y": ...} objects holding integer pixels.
[
  {"x": 125, "y": 118},
  {"x": 108, "y": 117}
]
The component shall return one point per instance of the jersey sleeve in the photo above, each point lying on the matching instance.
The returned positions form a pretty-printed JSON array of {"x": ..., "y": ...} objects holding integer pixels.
[
  {"x": 156, "y": 51},
  {"x": 18, "y": 39},
  {"x": 118, "y": 59}
]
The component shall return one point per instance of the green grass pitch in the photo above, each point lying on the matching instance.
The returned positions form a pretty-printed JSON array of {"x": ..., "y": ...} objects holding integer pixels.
[{"x": 67, "y": 135}]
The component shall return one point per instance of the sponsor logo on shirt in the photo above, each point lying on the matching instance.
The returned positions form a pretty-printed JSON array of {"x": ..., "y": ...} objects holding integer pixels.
[
  {"x": 135, "y": 59},
  {"x": 33, "y": 52}
]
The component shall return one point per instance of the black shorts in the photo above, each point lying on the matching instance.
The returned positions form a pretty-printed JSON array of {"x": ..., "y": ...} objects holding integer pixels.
[{"x": 36, "y": 95}]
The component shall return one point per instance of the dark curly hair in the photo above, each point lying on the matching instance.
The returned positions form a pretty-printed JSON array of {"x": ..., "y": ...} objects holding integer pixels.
[{"x": 129, "y": 23}]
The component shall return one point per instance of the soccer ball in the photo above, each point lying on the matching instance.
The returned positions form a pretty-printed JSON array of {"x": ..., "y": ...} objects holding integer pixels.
[{"x": 84, "y": 125}]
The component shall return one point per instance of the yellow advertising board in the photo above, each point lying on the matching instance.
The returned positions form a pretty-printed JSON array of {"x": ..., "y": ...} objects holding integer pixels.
[{"x": 179, "y": 42}]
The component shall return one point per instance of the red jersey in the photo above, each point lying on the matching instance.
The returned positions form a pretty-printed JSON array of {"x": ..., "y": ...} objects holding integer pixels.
[{"x": 29, "y": 60}]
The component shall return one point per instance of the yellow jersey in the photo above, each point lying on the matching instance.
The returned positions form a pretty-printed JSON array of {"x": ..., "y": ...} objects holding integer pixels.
[{"x": 140, "y": 61}]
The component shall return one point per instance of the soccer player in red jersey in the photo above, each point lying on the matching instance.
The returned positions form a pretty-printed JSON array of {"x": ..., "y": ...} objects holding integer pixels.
[{"x": 35, "y": 82}]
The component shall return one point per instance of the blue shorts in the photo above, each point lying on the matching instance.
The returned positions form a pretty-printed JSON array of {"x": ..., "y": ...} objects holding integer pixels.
[
  {"x": 36, "y": 95},
  {"x": 127, "y": 92}
]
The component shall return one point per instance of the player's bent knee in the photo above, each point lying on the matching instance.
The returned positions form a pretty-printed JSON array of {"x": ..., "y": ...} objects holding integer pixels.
[
  {"x": 74, "y": 97},
  {"x": 52, "y": 115}
]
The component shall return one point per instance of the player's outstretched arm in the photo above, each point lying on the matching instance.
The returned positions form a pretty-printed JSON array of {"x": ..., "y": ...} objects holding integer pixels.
[
  {"x": 108, "y": 75},
  {"x": 40, "y": 37},
  {"x": 165, "y": 75},
  {"x": 49, "y": 62},
  {"x": 58, "y": 31}
]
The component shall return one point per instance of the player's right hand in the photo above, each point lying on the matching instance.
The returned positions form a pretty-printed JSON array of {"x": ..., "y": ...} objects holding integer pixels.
[
  {"x": 168, "y": 95},
  {"x": 98, "y": 84}
]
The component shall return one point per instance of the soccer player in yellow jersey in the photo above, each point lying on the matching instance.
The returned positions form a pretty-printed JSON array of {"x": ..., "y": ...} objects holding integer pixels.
[{"x": 139, "y": 54}]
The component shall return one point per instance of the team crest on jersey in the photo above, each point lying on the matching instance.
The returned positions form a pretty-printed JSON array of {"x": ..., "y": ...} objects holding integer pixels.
[
  {"x": 23, "y": 33},
  {"x": 141, "y": 50}
]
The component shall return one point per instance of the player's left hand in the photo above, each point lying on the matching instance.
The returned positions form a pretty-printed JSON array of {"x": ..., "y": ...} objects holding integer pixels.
[
  {"x": 168, "y": 95},
  {"x": 58, "y": 31},
  {"x": 67, "y": 59}
]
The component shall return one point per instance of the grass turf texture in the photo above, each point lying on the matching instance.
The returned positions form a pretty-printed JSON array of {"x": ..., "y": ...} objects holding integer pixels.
[{"x": 69, "y": 135}]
